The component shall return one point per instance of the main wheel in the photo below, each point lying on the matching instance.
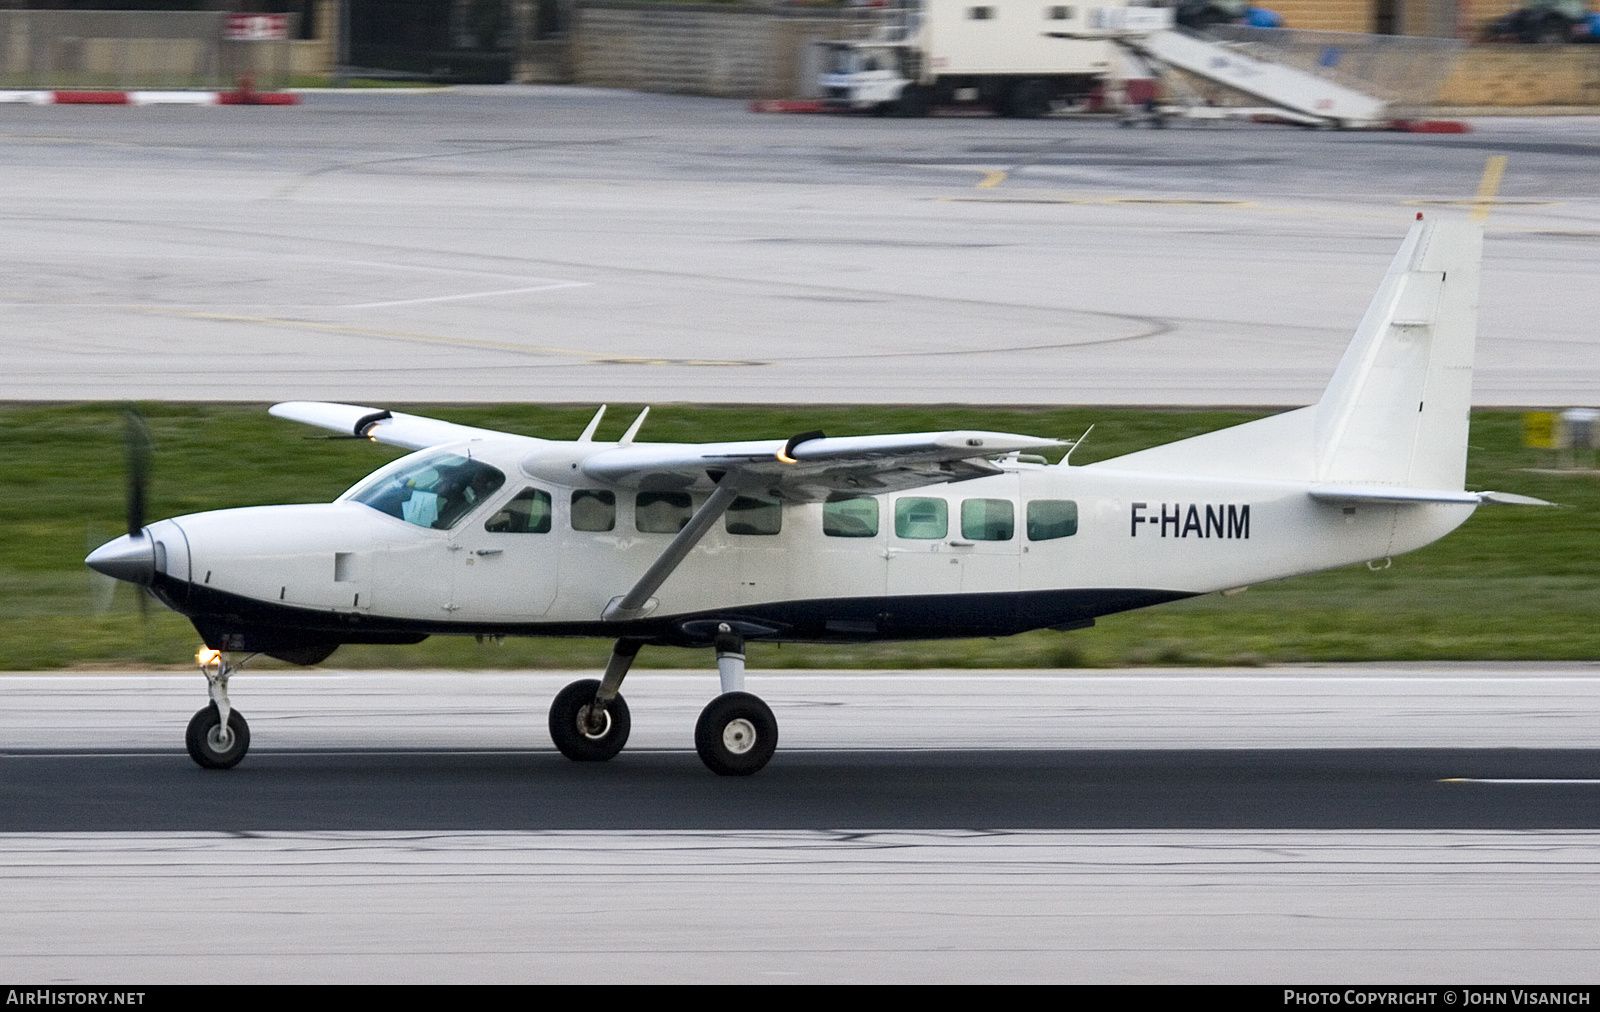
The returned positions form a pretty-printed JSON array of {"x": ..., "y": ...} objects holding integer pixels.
[
  {"x": 210, "y": 746},
  {"x": 569, "y": 712},
  {"x": 736, "y": 734}
]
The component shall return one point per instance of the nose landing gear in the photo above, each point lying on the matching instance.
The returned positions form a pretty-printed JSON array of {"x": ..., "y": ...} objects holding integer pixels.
[{"x": 217, "y": 737}]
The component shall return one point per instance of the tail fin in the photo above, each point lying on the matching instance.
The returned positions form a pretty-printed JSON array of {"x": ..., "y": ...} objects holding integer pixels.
[{"x": 1396, "y": 410}]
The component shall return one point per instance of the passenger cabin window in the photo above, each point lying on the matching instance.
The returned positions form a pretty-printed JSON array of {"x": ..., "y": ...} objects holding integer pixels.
[
  {"x": 435, "y": 491},
  {"x": 923, "y": 519},
  {"x": 1052, "y": 518},
  {"x": 988, "y": 520},
  {"x": 751, "y": 515},
  {"x": 528, "y": 513},
  {"x": 980, "y": 13},
  {"x": 1058, "y": 13},
  {"x": 594, "y": 510},
  {"x": 850, "y": 516},
  {"x": 661, "y": 512}
]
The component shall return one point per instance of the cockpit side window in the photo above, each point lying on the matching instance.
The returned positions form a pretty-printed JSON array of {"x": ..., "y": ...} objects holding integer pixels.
[
  {"x": 435, "y": 491},
  {"x": 527, "y": 513}
]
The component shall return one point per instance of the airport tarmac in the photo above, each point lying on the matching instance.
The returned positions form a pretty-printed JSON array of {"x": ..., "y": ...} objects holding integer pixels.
[
  {"x": 580, "y": 245},
  {"x": 1392, "y": 823},
  {"x": 1381, "y": 823}
]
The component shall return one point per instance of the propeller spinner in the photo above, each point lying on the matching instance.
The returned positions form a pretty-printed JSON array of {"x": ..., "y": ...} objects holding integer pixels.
[{"x": 132, "y": 558}]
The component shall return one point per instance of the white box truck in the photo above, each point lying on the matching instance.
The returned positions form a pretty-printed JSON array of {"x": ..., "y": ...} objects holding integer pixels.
[{"x": 1018, "y": 57}]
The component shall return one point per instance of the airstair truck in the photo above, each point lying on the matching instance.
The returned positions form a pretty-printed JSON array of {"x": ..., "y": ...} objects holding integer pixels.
[{"x": 1014, "y": 56}]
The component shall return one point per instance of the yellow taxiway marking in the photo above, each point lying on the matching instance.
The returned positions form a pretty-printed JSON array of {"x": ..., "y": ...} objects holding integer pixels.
[
  {"x": 1511, "y": 780},
  {"x": 1088, "y": 200},
  {"x": 992, "y": 179},
  {"x": 1488, "y": 186},
  {"x": 1476, "y": 201},
  {"x": 596, "y": 357}
]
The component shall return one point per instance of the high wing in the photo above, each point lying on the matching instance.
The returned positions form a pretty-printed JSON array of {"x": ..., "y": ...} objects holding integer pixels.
[
  {"x": 806, "y": 468},
  {"x": 394, "y": 427}
]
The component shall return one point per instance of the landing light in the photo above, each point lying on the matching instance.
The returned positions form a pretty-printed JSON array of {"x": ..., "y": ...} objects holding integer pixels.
[{"x": 206, "y": 655}]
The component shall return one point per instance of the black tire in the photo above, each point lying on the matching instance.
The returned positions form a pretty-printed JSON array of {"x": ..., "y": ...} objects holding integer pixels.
[
  {"x": 569, "y": 707},
  {"x": 914, "y": 102},
  {"x": 736, "y": 734},
  {"x": 1030, "y": 99},
  {"x": 201, "y": 739}
]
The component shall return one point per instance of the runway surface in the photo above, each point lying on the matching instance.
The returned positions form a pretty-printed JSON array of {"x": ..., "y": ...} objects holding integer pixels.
[
  {"x": 578, "y": 245},
  {"x": 1267, "y": 825},
  {"x": 1318, "y": 747}
]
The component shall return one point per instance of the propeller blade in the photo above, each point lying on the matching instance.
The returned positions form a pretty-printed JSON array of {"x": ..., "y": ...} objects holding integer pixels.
[{"x": 139, "y": 446}]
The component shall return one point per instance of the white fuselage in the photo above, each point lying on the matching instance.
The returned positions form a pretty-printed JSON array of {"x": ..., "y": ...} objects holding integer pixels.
[{"x": 1181, "y": 534}]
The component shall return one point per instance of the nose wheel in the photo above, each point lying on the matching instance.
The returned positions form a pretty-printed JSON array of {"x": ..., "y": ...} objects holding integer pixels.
[
  {"x": 218, "y": 736},
  {"x": 214, "y": 746}
]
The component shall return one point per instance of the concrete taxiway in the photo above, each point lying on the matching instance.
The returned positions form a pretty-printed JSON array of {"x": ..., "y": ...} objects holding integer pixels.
[
  {"x": 1392, "y": 823},
  {"x": 566, "y": 244}
]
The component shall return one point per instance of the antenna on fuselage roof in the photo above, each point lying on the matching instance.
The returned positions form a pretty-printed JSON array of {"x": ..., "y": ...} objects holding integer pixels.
[
  {"x": 627, "y": 437},
  {"x": 1076, "y": 443},
  {"x": 594, "y": 423}
]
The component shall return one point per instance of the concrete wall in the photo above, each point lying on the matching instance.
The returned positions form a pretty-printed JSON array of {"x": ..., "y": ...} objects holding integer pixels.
[
  {"x": 750, "y": 52},
  {"x": 1440, "y": 18},
  {"x": 318, "y": 57},
  {"x": 702, "y": 49},
  {"x": 1525, "y": 76}
]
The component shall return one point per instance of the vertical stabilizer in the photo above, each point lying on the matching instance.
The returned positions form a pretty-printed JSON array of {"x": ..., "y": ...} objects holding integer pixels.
[{"x": 1396, "y": 411}]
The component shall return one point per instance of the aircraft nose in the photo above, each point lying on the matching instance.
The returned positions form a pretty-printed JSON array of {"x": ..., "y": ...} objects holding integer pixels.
[{"x": 128, "y": 558}]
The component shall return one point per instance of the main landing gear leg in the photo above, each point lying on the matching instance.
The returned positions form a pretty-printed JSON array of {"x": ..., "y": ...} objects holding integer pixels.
[
  {"x": 730, "y": 659},
  {"x": 218, "y": 736},
  {"x": 589, "y": 720},
  {"x": 736, "y": 733}
]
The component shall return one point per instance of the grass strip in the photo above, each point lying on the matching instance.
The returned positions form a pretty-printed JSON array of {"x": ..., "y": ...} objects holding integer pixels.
[{"x": 1511, "y": 584}]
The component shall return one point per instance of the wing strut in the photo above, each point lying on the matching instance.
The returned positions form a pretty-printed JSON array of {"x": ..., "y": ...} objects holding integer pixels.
[{"x": 632, "y": 604}]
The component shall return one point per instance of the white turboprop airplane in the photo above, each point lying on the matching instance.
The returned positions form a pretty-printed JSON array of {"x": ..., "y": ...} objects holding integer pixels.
[{"x": 823, "y": 539}]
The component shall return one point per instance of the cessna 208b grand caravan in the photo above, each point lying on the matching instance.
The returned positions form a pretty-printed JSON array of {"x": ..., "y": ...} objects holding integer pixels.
[{"x": 823, "y": 539}]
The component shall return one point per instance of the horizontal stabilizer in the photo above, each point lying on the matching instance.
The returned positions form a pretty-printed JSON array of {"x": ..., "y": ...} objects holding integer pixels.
[
  {"x": 1511, "y": 499},
  {"x": 393, "y": 427},
  {"x": 1391, "y": 494}
]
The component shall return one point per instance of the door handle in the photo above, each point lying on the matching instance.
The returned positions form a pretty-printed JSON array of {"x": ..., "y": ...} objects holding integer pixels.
[
  {"x": 961, "y": 544},
  {"x": 488, "y": 551}
]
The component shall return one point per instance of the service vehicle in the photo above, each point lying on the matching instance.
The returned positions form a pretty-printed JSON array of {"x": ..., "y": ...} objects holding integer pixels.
[{"x": 1012, "y": 56}]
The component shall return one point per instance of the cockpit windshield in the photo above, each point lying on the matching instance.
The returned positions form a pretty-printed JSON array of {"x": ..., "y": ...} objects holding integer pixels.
[
  {"x": 434, "y": 491},
  {"x": 842, "y": 60}
]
